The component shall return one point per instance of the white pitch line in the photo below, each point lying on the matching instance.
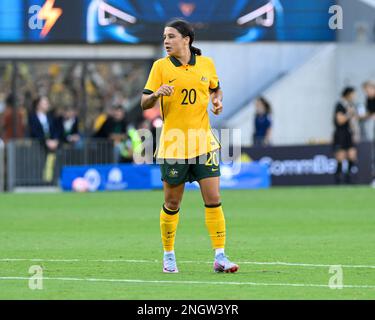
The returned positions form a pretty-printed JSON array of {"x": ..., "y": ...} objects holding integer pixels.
[
  {"x": 193, "y": 282},
  {"x": 309, "y": 264},
  {"x": 189, "y": 261}
]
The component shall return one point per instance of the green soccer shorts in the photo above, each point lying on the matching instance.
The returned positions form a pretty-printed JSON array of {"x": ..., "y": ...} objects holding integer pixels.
[{"x": 205, "y": 166}]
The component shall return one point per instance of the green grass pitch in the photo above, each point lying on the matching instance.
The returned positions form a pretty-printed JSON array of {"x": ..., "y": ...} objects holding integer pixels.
[{"x": 107, "y": 245}]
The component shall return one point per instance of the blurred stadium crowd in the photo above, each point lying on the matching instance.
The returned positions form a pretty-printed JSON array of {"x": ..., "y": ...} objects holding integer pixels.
[{"x": 64, "y": 103}]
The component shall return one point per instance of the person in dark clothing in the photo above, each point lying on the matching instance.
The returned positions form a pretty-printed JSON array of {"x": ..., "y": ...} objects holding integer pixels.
[
  {"x": 7, "y": 120},
  {"x": 343, "y": 144},
  {"x": 42, "y": 125},
  {"x": 262, "y": 122},
  {"x": 67, "y": 126},
  {"x": 369, "y": 89},
  {"x": 115, "y": 128},
  {"x": 369, "y": 117}
]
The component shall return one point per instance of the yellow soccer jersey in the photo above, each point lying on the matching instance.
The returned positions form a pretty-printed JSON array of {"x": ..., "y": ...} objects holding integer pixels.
[{"x": 186, "y": 130}]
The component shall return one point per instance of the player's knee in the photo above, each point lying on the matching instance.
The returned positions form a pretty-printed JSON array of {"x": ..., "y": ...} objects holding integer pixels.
[
  {"x": 213, "y": 199},
  {"x": 172, "y": 204}
]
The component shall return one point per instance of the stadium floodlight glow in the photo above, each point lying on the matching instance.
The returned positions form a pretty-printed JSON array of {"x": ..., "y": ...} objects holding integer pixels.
[
  {"x": 114, "y": 12},
  {"x": 268, "y": 10}
]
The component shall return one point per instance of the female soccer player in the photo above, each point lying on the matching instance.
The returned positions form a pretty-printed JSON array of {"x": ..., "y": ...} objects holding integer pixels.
[{"x": 182, "y": 85}]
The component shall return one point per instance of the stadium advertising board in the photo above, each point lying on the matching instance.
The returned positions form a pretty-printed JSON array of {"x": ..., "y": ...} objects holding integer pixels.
[
  {"x": 147, "y": 177},
  {"x": 308, "y": 165},
  {"x": 141, "y": 21}
]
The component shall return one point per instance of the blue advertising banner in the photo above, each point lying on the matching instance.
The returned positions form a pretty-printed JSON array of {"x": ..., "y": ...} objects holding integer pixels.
[
  {"x": 142, "y": 21},
  {"x": 310, "y": 165},
  {"x": 147, "y": 177}
]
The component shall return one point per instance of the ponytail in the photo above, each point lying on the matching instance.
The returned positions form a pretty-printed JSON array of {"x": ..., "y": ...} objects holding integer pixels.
[{"x": 196, "y": 51}]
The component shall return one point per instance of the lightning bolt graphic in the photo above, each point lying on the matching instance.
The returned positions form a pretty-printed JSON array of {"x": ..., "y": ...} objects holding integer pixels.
[{"x": 50, "y": 14}]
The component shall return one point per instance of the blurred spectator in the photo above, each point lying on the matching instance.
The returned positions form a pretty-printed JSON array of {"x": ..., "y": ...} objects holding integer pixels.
[
  {"x": 2, "y": 102},
  {"x": 121, "y": 133},
  {"x": 101, "y": 118},
  {"x": 153, "y": 122},
  {"x": 262, "y": 122},
  {"x": 369, "y": 117},
  {"x": 343, "y": 143},
  {"x": 369, "y": 88},
  {"x": 7, "y": 121},
  {"x": 42, "y": 125},
  {"x": 67, "y": 126}
]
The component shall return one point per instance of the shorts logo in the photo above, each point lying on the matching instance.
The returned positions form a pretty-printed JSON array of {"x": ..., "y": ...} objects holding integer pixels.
[
  {"x": 214, "y": 170},
  {"x": 204, "y": 79},
  {"x": 173, "y": 173}
]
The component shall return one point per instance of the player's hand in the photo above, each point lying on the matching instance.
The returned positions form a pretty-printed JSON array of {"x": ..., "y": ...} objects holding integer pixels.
[
  {"x": 217, "y": 106},
  {"x": 164, "y": 90}
]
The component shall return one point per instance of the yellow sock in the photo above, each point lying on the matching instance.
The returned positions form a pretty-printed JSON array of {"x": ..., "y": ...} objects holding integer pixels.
[
  {"x": 168, "y": 227},
  {"x": 215, "y": 223}
]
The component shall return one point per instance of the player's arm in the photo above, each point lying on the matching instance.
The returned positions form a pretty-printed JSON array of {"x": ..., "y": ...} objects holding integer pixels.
[
  {"x": 217, "y": 101},
  {"x": 341, "y": 118},
  {"x": 151, "y": 100},
  {"x": 215, "y": 91}
]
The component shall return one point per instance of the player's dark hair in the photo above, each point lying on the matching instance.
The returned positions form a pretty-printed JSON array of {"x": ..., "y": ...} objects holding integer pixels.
[
  {"x": 267, "y": 105},
  {"x": 347, "y": 91},
  {"x": 186, "y": 30}
]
